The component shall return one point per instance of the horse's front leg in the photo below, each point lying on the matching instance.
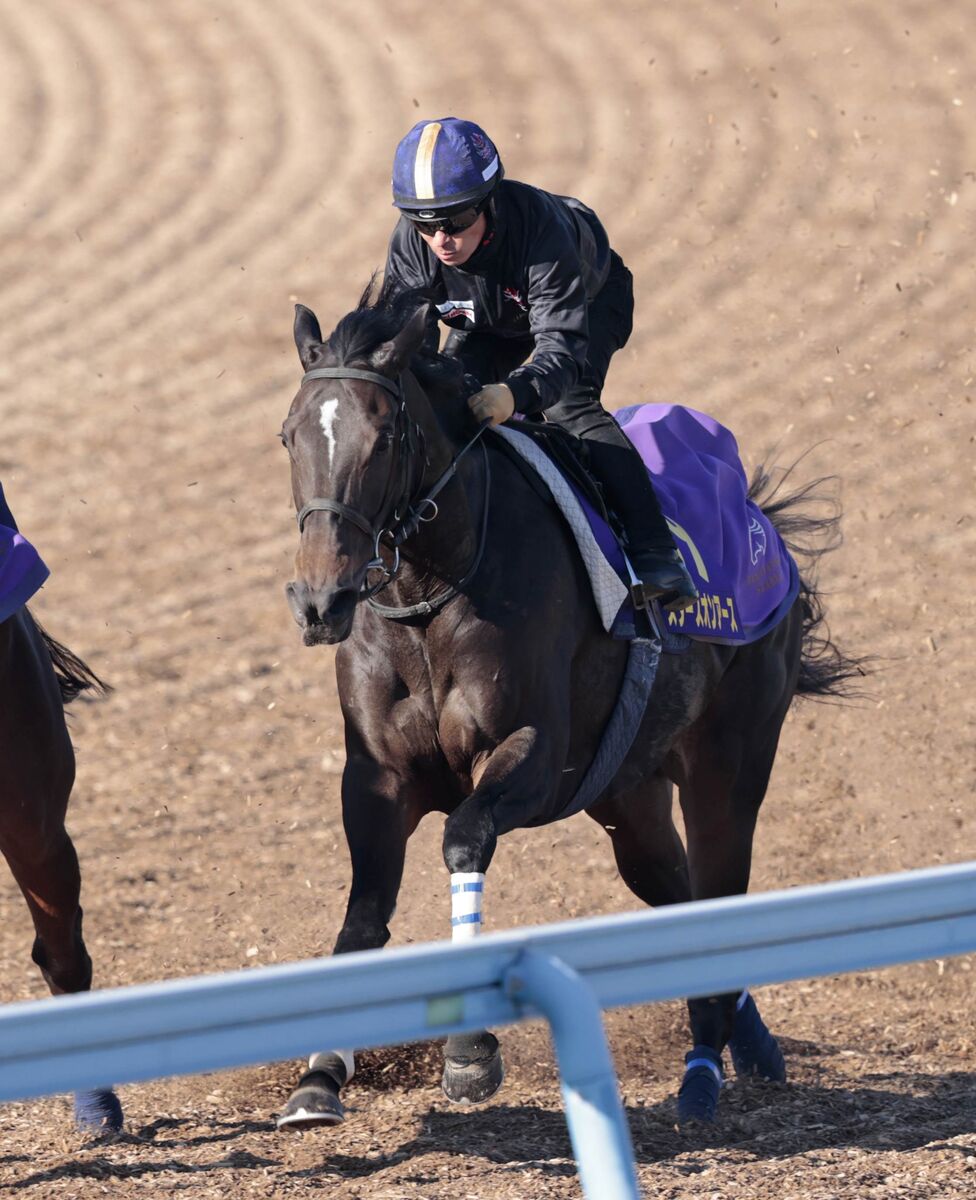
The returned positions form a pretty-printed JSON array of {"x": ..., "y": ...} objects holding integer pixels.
[
  {"x": 378, "y": 817},
  {"x": 513, "y": 785}
]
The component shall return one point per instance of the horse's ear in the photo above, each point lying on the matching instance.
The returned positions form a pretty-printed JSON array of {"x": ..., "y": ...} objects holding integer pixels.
[
  {"x": 308, "y": 335},
  {"x": 394, "y": 355}
]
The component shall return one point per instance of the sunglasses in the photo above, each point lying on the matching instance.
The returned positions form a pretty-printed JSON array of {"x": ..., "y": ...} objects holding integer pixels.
[{"x": 455, "y": 223}]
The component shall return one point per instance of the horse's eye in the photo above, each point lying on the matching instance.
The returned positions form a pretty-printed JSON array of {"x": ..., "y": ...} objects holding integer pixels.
[{"x": 384, "y": 443}]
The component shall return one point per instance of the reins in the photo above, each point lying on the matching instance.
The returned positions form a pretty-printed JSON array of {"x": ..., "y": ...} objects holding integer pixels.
[
  {"x": 418, "y": 511},
  {"x": 427, "y": 608}
]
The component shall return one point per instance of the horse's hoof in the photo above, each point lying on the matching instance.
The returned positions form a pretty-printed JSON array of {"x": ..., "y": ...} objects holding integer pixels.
[
  {"x": 698, "y": 1095},
  {"x": 754, "y": 1050},
  {"x": 98, "y": 1111},
  {"x": 313, "y": 1104},
  {"x": 474, "y": 1082}
]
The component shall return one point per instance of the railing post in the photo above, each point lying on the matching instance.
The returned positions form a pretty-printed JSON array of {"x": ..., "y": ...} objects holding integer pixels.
[{"x": 595, "y": 1116}]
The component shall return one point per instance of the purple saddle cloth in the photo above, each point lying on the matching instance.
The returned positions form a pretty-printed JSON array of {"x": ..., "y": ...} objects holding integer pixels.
[
  {"x": 746, "y": 578},
  {"x": 22, "y": 570}
]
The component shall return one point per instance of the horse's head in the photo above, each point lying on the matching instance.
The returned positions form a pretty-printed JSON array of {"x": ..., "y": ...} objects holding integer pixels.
[{"x": 353, "y": 449}]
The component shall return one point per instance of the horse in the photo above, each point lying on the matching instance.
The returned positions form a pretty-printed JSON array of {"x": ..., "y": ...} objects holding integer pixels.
[
  {"x": 480, "y": 686},
  {"x": 38, "y": 678}
]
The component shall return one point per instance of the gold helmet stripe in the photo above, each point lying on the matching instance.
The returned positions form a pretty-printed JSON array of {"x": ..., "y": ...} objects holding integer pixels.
[{"x": 423, "y": 171}]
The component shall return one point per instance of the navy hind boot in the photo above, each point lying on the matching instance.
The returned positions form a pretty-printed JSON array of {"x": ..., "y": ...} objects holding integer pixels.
[{"x": 754, "y": 1050}]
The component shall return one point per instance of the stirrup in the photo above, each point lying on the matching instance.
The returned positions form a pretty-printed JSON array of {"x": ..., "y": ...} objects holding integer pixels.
[
  {"x": 670, "y": 601},
  {"x": 639, "y": 596},
  {"x": 662, "y": 578}
]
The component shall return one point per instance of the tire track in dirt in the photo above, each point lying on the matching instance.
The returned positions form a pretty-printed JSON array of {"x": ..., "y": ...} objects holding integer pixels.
[
  {"x": 132, "y": 191},
  {"x": 721, "y": 283},
  {"x": 174, "y": 224},
  {"x": 24, "y": 113},
  {"x": 86, "y": 214},
  {"x": 68, "y": 107}
]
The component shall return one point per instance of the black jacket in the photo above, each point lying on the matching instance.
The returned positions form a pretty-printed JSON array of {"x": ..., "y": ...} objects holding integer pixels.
[{"x": 543, "y": 258}]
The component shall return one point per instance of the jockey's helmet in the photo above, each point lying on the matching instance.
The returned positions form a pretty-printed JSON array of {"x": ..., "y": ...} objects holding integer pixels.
[{"x": 442, "y": 167}]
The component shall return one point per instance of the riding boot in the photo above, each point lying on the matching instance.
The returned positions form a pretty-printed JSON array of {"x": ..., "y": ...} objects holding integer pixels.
[{"x": 650, "y": 546}]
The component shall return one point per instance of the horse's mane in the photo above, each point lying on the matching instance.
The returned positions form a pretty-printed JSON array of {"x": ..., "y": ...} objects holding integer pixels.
[{"x": 379, "y": 316}]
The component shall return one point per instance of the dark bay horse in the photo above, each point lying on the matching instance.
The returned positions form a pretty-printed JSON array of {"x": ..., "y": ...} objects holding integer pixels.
[
  {"x": 485, "y": 695},
  {"x": 38, "y": 677}
]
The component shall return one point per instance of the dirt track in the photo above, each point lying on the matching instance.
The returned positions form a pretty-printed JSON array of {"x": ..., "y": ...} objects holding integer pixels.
[{"x": 794, "y": 186}]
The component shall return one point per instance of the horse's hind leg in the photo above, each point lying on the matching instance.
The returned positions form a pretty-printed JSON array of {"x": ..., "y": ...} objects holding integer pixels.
[
  {"x": 653, "y": 864},
  {"x": 50, "y": 879},
  {"x": 37, "y": 779},
  {"x": 649, "y": 853},
  {"x": 723, "y": 765}
]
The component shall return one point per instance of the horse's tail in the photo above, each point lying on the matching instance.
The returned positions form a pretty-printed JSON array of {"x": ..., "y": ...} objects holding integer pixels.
[
  {"x": 74, "y": 676},
  {"x": 808, "y": 518}
]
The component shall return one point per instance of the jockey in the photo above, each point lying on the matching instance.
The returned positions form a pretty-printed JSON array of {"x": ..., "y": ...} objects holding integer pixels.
[{"x": 516, "y": 271}]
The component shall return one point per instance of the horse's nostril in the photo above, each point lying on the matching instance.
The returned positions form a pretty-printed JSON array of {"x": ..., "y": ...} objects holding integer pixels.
[
  {"x": 297, "y": 602},
  {"x": 327, "y": 606}
]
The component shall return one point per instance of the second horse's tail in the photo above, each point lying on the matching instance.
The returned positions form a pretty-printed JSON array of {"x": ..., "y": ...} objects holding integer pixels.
[{"x": 74, "y": 675}]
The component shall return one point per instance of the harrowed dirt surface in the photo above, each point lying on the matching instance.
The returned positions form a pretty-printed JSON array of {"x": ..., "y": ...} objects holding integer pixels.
[{"x": 794, "y": 188}]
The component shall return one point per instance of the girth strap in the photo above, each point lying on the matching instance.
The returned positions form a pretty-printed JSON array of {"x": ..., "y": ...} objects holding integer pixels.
[{"x": 643, "y": 656}]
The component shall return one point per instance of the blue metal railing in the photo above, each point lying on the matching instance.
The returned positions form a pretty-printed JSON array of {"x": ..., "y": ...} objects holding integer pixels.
[{"x": 563, "y": 973}]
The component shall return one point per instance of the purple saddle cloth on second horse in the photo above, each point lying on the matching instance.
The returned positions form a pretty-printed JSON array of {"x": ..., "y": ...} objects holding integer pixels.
[
  {"x": 22, "y": 571},
  {"x": 746, "y": 578}
]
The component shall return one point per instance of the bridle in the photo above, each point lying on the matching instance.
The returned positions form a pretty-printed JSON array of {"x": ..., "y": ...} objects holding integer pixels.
[{"x": 402, "y": 496}]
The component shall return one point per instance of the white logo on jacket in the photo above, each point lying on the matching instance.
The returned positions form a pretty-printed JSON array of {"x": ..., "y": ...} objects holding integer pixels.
[{"x": 451, "y": 309}]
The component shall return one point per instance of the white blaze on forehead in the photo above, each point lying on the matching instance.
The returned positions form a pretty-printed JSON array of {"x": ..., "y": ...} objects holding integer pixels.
[{"x": 327, "y": 419}]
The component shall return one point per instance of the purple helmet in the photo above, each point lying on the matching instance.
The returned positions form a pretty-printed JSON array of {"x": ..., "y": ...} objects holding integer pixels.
[{"x": 443, "y": 165}]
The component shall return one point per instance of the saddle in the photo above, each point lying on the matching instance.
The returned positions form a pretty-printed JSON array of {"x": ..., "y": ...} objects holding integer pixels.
[{"x": 570, "y": 455}]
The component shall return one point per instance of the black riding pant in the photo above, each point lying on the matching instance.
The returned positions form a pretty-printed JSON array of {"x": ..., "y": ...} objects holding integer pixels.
[{"x": 617, "y": 465}]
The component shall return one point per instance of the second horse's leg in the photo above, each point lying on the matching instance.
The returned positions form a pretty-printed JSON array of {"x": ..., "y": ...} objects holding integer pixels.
[
  {"x": 51, "y": 883},
  {"x": 38, "y": 775}
]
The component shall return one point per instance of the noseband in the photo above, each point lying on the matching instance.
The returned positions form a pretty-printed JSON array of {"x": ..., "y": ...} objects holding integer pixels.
[{"x": 410, "y": 445}]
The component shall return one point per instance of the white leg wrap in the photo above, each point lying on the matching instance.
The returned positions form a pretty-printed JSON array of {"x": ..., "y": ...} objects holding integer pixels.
[
  {"x": 467, "y": 894},
  {"x": 347, "y": 1056}
]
